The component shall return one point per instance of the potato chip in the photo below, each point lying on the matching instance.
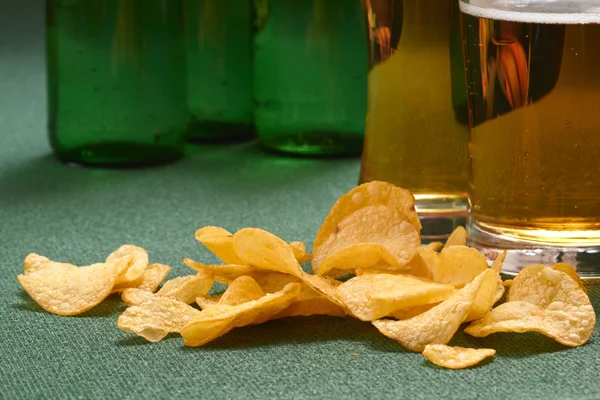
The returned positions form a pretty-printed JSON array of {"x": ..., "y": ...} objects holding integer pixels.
[
  {"x": 490, "y": 291},
  {"x": 157, "y": 317},
  {"x": 207, "y": 301},
  {"x": 407, "y": 313},
  {"x": 368, "y": 194},
  {"x": 455, "y": 357},
  {"x": 372, "y": 225},
  {"x": 149, "y": 280},
  {"x": 219, "y": 242},
  {"x": 218, "y": 320},
  {"x": 373, "y": 296},
  {"x": 300, "y": 253},
  {"x": 187, "y": 288},
  {"x": 569, "y": 270},
  {"x": 242, "y": 290},
  {"x": 457, "y": 238},
  {"x": 68, "y": 290},
  {"x": 222, "y": 273},
  {"x": 265, "y": 251},
  {"x": 135, "y": 296},
  {"x": 507, "y": 283},
  {"x": 424, "y": 262},
  {"x": 435, "y": 246},
  {"x": 458, "y": 265},
  {"x": 359, "y": 257},
  {"x": 34, "y": 263},
  {"x": 135, "y": 259},
  {"x": 542, "y": 300},
  {"x": 499, "y": 262},
  {"x": 438, "y": 325}
]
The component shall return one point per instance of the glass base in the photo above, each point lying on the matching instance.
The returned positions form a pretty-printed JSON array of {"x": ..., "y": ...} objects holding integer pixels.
[
  {"x": 314, "y": 143},
  {"x": 119, "y": 155},
  {"x": 218, "y": 131},
  {"x": 529, "y": 248},
  {"x": 440, "y": 214}
]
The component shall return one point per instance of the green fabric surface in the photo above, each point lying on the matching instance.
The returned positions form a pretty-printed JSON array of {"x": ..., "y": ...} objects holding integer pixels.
[{"x": 80, "y": 215}]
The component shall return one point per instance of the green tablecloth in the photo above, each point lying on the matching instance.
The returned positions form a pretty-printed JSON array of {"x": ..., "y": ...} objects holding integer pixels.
[{"x": 80, "y": 215}]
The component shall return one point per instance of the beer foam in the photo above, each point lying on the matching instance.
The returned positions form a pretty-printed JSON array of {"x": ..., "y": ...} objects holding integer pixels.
[{"x": 575, "y": 18}]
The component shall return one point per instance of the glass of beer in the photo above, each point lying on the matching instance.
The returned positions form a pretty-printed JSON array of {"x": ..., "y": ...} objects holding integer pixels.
[
  {"x": 416, "y": 128},
  {"x": 533, "y": 76}
]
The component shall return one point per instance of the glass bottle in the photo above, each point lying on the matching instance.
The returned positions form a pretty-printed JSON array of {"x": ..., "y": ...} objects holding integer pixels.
[
  {"x": 219, "y": 55},
  {"x": 116, "y": 81},
  {"x": 310, "y": 76}
]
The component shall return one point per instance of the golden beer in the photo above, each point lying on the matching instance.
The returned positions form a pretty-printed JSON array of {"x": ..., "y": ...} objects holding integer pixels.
[
  {"x": 416, "y": 130},
  {"x": 534, "y": 98}
]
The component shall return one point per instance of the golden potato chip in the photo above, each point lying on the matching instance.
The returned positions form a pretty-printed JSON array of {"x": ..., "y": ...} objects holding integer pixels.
[
  {"x": 424, "y": 262},
  {"x": 207, "y": 301},
  {"x": 135, "y": 260},
  {"x": 156, "y": 317},
  {"x": 407, "y": 313},
  {"x": 368, "y": 194},
  {"x": 508, "y": 283},
  {"x": 373, "y": 296},
  {"x": 359, "y": 257},
  {"x": 222, "y": 273},
  {"x": 265, "y": 251},
  {"x": 542, "y": 300},
  {"x": 454, "y": 357},
  {"x": 68, "y": 290},
  {"x": 187, "y": 288},
  {"x": 300, "y": 253},
  {"x": 499, "y": 262},
  {"x": 135, "y": 296},
  {"x": 242, "y": 290},
  {"x": 490, "y": 291},
  {"x": 149, "y": 280},
  {"x": 458, "y": 265},
  {"x": 376, "y": 225},
  {"x": 457, "y": 238},
  {"x": 435, "y": 246},
  {"x": 569, "y": 270},
  {"x": 325, "y": 287},
  {"x": 218, "y": 320},
  {"x": 34, "y": 263},
  {"x": 219, "y": 242},
  {"x": 438, "y": 325}
]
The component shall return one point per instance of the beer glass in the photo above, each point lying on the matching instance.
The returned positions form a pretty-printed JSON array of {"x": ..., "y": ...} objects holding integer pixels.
[
  {"x": 416, "y": 130},
  {"x": 534, "y": 98}
]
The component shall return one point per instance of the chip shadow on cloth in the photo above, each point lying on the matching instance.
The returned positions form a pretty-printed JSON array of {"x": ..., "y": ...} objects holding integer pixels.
[
  {"x": 135, "y": 341},
  {"x": 112, "y": 305},
  {"x": 299, "y": 331}
]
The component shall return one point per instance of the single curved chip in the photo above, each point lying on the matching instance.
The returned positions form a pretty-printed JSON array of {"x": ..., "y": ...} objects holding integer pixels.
[
  {"x": 35, "y": 263},
  {"x": 224, "y": 274},
  {"x": 542, "y": 300},
  {"x": 454, "y": 357},
  {"x": 219, "y": 242},
  {"x": 156, "y": 317},
  {"x": 135, "y": 296},
  {"x": 393, "y": 238},
  {"x": 374, "y": 193},
  {"x": 569, "y": 270},
  {"x": 265, "y": 251},
  {"x": 149, "y": 281},
  {"x": 358, "y": 257},
  {"x": 490, "y": 292},
  {"x": 218, "y": 320},
  {"x": 134, "y": 259},
  {"x": 424, "y": 262},
  {"x": 457, "y": 238},
  {"x": 65, "y": 290},
  {"x": 207, "y": 301},
  {"x": 374, "y": 296},
  {"x": 498, "y": 263},
  {"x": 458, "y": 265},
  {"x": 242, "y": 290},
  {"x": 187, "y": 288},
  {"x": 438, "y": 325},
  {"x": 300, "y": 253},
  {"x": 410, "y": 312}
]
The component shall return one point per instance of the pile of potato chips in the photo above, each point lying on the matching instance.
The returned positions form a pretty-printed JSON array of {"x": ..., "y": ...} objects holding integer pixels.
[{"x": 416, "y": 295}]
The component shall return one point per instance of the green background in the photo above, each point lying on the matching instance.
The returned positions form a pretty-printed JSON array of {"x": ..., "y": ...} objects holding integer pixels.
[{"x": 80, "y": 215}]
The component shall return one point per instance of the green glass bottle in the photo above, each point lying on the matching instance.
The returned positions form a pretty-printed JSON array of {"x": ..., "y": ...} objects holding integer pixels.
[
  {"x": 116, "y": 81},
  {"x": 219, "y": 55},
  {"x": 310, "y": 76}
]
